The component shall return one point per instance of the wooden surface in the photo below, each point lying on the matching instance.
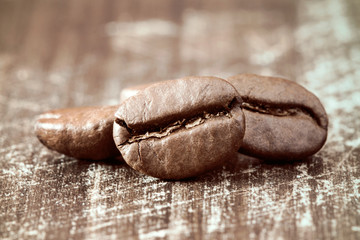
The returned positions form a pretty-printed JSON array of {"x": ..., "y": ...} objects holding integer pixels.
[{"x": 56, "y": 54}]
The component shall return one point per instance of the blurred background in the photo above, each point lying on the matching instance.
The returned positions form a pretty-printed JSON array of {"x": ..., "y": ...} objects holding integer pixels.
[
  {"x": 84, "y": 52},
  {"x": 62, "y": 53}
]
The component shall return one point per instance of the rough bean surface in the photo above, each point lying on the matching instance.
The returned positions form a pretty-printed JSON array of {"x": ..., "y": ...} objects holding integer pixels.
[{"x": 180, "y": 128}]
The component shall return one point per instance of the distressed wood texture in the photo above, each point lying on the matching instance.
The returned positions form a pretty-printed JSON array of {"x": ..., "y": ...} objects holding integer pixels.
[{"x": 56, "y": 54}]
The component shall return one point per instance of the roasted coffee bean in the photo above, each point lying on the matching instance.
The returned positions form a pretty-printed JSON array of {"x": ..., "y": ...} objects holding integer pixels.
[
  {"x": 131, "y": 91},
  {"x": 284, "y": 121},
  {"x": 83, "y": 132},
  {"x": 180, "y": 128}
]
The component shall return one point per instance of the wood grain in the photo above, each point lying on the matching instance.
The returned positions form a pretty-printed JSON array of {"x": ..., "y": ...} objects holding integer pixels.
[{"x": 56, "y": 54}]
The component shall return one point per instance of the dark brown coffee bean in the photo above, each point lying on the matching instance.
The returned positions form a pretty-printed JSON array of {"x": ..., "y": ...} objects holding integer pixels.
[
  {"x": 83, "y": 132},
  {"x": 284, "y": 121},
  {"x": 180, "y": 128}
]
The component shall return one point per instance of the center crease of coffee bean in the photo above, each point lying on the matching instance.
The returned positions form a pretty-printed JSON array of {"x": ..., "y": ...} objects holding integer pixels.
[
  {"x": 278, "y": 111},
  {"x": 161, "y": 132}
]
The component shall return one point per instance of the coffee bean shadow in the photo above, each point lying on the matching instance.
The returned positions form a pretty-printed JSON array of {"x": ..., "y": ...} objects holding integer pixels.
[
  {"x": 115, "y": 161},
  {"x": 78, "y": 166}
]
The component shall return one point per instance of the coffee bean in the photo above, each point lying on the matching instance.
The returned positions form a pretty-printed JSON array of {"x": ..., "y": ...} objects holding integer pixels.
[
  {"x": 180, "y": 128},
  {"x": 83, "y": 132},
  {"x": 131, "y": 91},
  {"x": 284, "y": 121}
]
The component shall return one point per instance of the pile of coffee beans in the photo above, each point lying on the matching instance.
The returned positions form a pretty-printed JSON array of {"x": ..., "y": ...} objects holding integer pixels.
[{"x": 182, "y": 128}]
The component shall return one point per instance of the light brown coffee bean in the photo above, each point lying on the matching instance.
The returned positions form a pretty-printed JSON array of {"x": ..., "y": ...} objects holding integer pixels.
[
  {"x": 284, "y": 121},
  {"x": 83, "y": 132}
]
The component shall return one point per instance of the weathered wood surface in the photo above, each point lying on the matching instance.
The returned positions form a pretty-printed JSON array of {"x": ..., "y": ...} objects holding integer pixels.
[{"x": 56, "y": 54}]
